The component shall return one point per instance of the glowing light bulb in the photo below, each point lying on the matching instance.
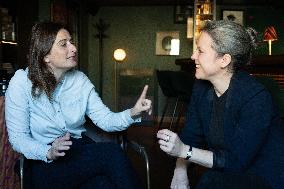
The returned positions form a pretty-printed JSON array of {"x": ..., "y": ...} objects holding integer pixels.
[{"x": 119, "y": 54}]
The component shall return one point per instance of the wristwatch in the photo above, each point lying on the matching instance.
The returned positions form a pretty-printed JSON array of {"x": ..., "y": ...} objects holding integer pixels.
[{"x": 189, "y": 153}]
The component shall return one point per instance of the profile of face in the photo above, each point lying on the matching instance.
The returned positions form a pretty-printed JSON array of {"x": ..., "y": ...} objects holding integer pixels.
[
  {"x": 63, "y": 54},
  {"x": 207, "y": 63}
]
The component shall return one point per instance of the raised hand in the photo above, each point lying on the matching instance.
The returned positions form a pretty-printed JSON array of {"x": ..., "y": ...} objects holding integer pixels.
[
  {"x": 58, "y": 147},
  {"x": 142, "y": 105}
]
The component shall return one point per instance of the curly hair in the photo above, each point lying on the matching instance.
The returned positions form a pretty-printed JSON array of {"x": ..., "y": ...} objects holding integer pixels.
[{"x": 43, "y": 35}]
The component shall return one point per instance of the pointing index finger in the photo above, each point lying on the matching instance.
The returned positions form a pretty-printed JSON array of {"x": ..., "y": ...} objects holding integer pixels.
[{"x": 144, "y": 92}]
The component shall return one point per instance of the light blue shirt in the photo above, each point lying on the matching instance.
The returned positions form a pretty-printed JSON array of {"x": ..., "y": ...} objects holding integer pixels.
[{"x": 34, "y": 123}]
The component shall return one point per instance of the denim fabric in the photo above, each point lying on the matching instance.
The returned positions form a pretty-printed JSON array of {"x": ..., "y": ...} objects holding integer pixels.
[{"x": 34, "y": 122}]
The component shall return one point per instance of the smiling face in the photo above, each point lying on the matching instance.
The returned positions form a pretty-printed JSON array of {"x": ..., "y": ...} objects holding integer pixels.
[
  {"x": 62, "y": 56},
  {"x": 207, "y": 63}
]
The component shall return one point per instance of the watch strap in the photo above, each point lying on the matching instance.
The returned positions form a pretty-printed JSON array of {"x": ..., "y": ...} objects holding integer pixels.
[{"x": 189, "y": 153}]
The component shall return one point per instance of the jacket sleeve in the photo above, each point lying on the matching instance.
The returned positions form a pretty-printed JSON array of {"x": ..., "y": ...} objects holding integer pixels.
[
  {"x": 250, "y": 132},
  {"x": 192, "y": 133}
]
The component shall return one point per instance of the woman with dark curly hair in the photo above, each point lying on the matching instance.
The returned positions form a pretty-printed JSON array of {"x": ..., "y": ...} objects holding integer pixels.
[
  {"x": 232, "y": 125},
  {"x": 46, "y": 106}
]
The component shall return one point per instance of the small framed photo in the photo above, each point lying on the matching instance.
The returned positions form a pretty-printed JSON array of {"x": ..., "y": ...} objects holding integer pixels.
[
  {"x": 167, "y": 43},
  {"x": 181, "y": 13},
  {"x": 234, "y": 15}
]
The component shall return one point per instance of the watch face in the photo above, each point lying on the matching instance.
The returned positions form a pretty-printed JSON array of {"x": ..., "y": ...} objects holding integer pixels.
[{"x": 189, "y": 154}]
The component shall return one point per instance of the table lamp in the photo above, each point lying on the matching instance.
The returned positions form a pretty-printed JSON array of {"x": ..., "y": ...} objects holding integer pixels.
[{"x": 270, "y": 35}]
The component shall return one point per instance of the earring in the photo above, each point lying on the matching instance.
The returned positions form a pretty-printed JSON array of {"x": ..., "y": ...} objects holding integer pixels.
[{"x": 46, "y": 60}]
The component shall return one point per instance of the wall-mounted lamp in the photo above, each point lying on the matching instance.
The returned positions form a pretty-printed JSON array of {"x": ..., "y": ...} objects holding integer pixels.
[
  {"x": 270, "y": 35},
  {"x": 119, "y": 56}
]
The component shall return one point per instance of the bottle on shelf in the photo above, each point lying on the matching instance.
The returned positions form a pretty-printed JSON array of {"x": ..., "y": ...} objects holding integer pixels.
[
  {"x": 203, "y": 10},
  {"x": 3, "y": 83},
  {"x": 7, "y": 25},
  {"x": 207, "y": 7}
]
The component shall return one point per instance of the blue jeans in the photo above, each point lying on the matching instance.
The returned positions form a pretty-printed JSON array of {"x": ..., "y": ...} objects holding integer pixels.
[{"x": 86, "y": 165}]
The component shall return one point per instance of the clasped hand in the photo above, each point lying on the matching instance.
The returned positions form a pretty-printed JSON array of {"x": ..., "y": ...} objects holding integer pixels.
[
  {"x": 142, "y": 105},
  {"x": 59, "y": 146},
  {"x": 171, "y": 143}
]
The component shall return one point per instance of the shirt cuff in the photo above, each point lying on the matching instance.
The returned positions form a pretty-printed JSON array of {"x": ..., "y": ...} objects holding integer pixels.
[
  {"x": 137, "y": 119},
  {"x": 218, "y": 159},
  {"x": 44, "y": 153}
]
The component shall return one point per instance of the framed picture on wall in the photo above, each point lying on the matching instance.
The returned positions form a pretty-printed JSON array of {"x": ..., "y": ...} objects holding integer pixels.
[
  {"x": 167, "y": 43},
  {"x": 234, "y": 15}
]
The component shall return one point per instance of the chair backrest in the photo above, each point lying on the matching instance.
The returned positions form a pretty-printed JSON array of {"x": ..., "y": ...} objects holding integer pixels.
[
  {"x": 165, "y": 83},
  {"x": 98, "y": 135},
  {"x": 182, "y": 83},
  {"x": 175, "y": 83}
]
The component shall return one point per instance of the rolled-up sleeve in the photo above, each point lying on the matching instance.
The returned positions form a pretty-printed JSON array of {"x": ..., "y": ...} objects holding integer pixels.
[{"x": 104, "y": 118}]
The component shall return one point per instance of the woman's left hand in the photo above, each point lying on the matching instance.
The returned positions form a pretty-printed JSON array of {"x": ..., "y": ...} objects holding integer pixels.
[
  {"x": 171, "y": 143},
  {"x": 142, "y": 104}
]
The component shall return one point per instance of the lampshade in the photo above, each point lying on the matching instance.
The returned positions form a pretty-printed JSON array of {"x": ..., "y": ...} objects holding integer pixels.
[{"x": 270, "y": 34}]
